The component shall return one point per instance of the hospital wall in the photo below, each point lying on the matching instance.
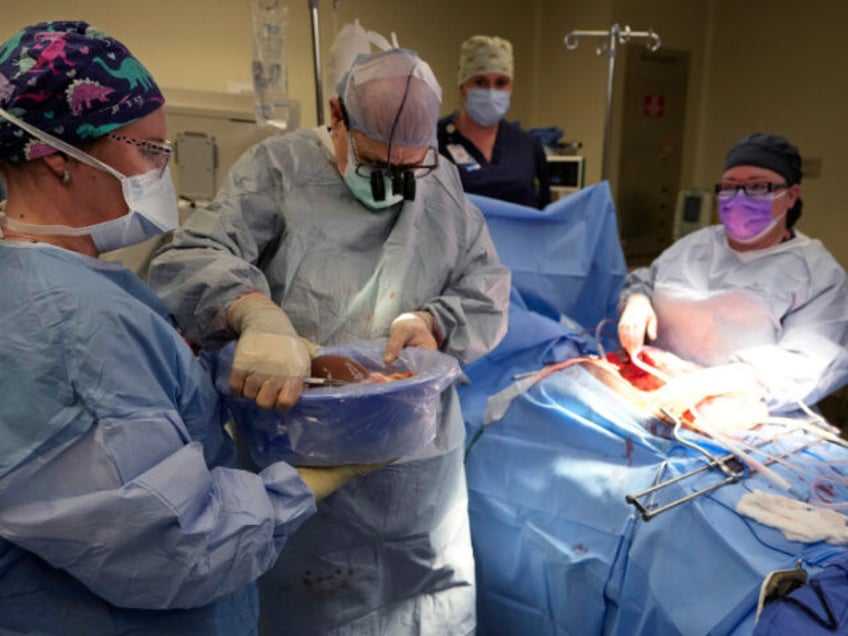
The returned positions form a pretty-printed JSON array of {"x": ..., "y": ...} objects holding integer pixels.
[
  {"x": 754, "y": 65},
  {"x": 779, "y": 66}
]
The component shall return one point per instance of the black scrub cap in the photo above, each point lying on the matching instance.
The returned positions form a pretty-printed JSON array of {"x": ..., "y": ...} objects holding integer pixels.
[{"x": 772, "y": 152}]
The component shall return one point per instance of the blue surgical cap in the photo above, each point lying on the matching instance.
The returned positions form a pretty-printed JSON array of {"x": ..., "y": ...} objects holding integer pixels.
[{"x": 772, "y": 152}]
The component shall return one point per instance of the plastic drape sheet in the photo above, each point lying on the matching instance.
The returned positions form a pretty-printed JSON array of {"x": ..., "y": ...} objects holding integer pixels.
[
  {"x": 565, "y": 259},
  {"x": 558, "y": 549},
  {"x": 547, "y": 517}
]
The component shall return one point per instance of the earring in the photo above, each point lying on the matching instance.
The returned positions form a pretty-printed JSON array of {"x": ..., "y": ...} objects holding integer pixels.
[{"x": 66, "y": 176}]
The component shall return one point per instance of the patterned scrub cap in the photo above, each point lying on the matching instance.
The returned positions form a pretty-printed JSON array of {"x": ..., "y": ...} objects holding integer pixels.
[
  {"x": 484, "y": 54},
  {"x": 72, "y": 81}
]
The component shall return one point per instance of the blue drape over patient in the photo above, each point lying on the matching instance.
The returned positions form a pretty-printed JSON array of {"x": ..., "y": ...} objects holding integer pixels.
[{"x": 558, "y": 549}]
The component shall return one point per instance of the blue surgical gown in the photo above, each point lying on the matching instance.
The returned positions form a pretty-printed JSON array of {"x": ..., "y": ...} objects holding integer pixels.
[
  {"x": 783, "y": 310},
  {"x": 118, "y": 511},
  {"x": 390, "y": 553}
]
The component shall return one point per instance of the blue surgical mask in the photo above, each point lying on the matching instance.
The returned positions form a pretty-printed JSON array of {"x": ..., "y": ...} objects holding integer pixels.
[
  {"x": 150, "y": 199},
  {"x": 747, "y": 219},
  {"x": 361, "y": 186},
  {"x": 487, "y": 106}
]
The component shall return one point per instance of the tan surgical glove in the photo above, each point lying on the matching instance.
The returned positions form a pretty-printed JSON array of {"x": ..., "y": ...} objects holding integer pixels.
[
  {"x": 411, "y": 329},
  {"x": 637, "y": 320},
  {"x": 270, "y": 360},
  {"x": 324, "y": 481}
]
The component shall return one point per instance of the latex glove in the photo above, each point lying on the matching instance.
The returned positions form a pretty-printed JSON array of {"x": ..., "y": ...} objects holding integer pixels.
[
  {"x": 637, "y": 320},
  {"x": 324, "y": 481},
  {"x": 411, "y": 329},
  {"x": 270, "y": 360},
  {"x": 311, "y": 347}
]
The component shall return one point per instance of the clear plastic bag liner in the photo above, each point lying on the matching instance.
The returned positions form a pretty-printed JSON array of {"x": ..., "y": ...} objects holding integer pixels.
[{"x": 350, "y": 424}]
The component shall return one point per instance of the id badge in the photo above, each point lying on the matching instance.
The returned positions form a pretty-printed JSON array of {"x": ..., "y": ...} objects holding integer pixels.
[{"x": 462, "y": 158}]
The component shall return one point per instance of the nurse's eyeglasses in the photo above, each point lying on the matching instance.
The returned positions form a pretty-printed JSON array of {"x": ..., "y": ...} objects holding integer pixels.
[
  {"x": 155, "y": 153},
  {"x": 756, "y": 190}
]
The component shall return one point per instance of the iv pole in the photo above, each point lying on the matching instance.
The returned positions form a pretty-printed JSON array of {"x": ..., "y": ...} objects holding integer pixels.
[
  {"x": 615, "y": 35},
  {"x": 316, "y": 58}
]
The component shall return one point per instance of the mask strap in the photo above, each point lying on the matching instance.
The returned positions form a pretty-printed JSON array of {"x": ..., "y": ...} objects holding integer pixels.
[
  {"x": 60, "y": 145},
  {"x": 45, "y": 230}
]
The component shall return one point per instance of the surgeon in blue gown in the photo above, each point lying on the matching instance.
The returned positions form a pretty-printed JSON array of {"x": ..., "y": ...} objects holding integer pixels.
[
  {"x": 355, "y": 232},
  {"x": 755, "y": 299},
  {"x": 120, "y": 512}
]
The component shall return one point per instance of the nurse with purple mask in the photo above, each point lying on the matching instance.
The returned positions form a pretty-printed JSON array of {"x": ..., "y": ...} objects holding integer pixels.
[{"x": 754, "y": 300}]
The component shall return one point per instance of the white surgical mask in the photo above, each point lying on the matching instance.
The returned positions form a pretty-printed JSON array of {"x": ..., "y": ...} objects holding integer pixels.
[{"x": 149, "y": 196}]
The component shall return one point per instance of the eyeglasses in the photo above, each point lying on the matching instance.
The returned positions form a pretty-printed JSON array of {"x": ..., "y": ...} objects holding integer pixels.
[
  {"x": 418, "y": 170},
  {"x": 155, "y": 153},
  {"x": 401, "y": 176},
  {"x": 755, "y": 190}
]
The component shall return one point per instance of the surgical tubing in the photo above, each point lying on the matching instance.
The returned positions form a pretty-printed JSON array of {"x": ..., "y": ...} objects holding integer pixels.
[
  {"x": 813, "y": 492},
  {"x": 647, "y": 368},
  {"x": 752, "y": 463},
  {"x": 798, "y": 467}
]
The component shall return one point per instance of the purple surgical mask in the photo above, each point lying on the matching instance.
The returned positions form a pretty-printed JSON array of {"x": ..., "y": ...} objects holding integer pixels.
[{"x": 746, "y": 219}]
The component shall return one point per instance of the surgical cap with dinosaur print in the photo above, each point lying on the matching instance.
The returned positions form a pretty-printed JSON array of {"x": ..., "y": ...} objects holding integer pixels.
[{"x": 70, "y": 80}]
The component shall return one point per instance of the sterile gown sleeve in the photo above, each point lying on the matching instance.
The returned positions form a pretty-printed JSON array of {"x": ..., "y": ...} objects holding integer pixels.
[
  {"x": 638, "y": 281},
  {"x": 216, "y": 255},
  {"x": 110, "y": 427},
  {"x": 471, "y": 311},
  {"x": 284, "y": 206},
  {"x": 810, "y": 360}
]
